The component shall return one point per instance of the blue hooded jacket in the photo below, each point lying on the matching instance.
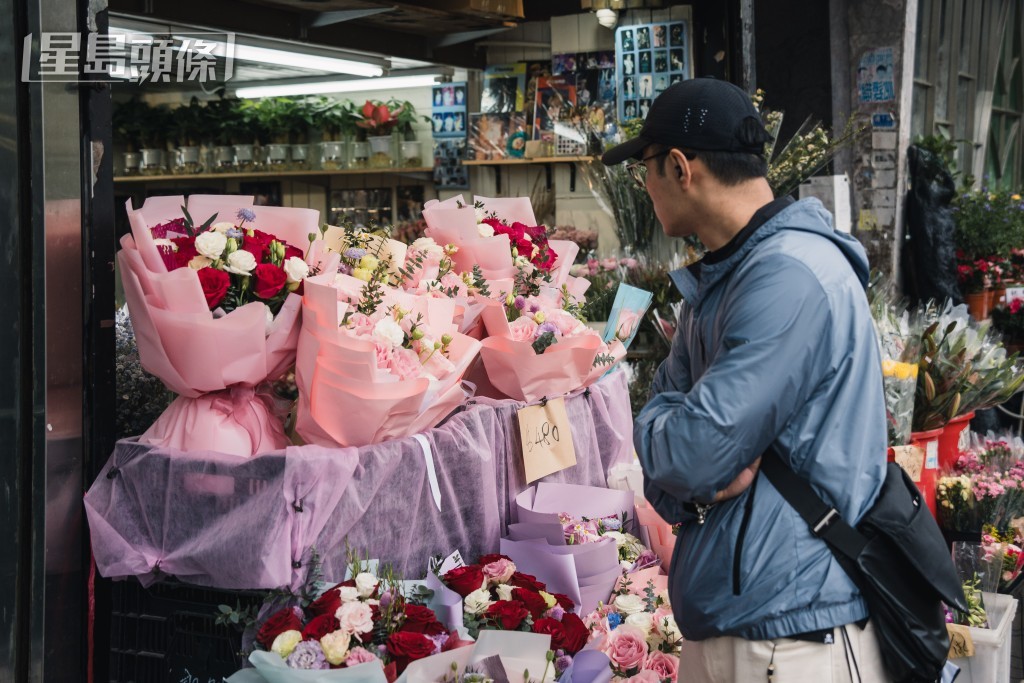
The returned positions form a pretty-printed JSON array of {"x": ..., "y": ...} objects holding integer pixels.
[{"x": 775, "y": 346}]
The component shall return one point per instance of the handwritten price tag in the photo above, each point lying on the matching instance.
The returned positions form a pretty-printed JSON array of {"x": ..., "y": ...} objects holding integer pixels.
[
  {"x": 911, "y": 459},
  {"x": 961, "y": 644},
  {"x": 546, "y": 438}
]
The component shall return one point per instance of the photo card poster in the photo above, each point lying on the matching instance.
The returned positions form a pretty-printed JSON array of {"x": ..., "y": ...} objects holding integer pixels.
[
  {"x": 555, "y": 95},
  {"x": 648, "y": 59},
  {"x": 504, "y": 89},
  {"x": 448, "y": 113}
]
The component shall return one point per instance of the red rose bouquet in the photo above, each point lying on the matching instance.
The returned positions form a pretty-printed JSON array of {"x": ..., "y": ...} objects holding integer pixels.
[
  {"x": 214, "y": 314},
  {"x": 365, "y": 620}
]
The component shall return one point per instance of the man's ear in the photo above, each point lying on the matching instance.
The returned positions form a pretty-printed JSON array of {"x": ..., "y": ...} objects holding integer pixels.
[{"x": 679, "y": 167}]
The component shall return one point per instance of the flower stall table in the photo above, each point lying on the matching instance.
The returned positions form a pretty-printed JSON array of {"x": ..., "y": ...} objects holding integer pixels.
[{"x": 228, "y": 522}]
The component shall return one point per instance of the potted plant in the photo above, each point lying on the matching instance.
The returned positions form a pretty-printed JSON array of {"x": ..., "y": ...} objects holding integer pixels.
[
  {"x": 379, "y": 119},
  {"x": 1009, "y": 321},
  {"x": 127, "y": 119},
  {"x": 225, "y": 125},
  {"x": 298, "y": 122},
  {"x": 155, "y": 123},
  {"x": 336, "y": 122},
  {"x": 250, "y": 130},
  {"x": 405, "y": 117},
  {"x": 189, "y": 127},
  {"x": 271, "y": 117},
  {"x": 974, "y": 279}
]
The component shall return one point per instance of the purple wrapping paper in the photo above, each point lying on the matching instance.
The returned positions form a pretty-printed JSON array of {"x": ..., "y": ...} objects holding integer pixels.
[
  {"x": 586, "y": 572},
  {"x": 588, "y": 666},
  {"x": 229, "y": 522},
  {"x": 541, "y": 504}
]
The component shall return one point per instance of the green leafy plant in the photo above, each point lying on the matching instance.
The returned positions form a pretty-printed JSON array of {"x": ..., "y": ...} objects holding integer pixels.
[
  {"x": 128, "y": 119},
  {"x": 988, "y": 224},
  {"x": 190, "y": 123}
]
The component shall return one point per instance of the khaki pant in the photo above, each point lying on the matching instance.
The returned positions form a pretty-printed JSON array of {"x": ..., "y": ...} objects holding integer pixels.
[{"x": 735, "y": 660}]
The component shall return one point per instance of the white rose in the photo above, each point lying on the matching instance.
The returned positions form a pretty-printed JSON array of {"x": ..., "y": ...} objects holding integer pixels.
[
  {"x": 504, "y": 591},
  {"x": 240, "y": 262},
  {"x": 285, "y": 643},
  {"x": 348, "y": 593},
  {"x": 211, "y": 244},
  {"x": 477, "y": 602},
  {"x": 642, "y": 620},
  {"x": 485, "y": 230},
  {"x": 388, "y": 330},
  {"x": 223, "y": 226},
  {"x": 366, "y": 584},
  {"x": 629, "y": 604},
  {"x": 427, "y": 246},
  {"x": 296, "y": 269}
]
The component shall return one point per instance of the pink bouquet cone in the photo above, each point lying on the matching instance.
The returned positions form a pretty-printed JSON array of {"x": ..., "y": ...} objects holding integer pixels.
[
  {"x": 366, "y": 377},
  {"x": 193, "y": 327}
]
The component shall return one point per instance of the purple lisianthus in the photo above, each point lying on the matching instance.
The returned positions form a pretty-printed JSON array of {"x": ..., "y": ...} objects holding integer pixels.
[
  {"x": 386, "y": 598},
  {"x": 308, "y": 655},
  {"x": 355, "y": 253},
  {"x": 562, "y": 663},
  {"x": 519, "y": 303},
  {"x": 544, "y": 328},
  {"x": 244, "y": 215},
  {"x": 556, "y": 613},
  {"x": 345, "y": 269},
  {"x": 439, "y": 641},
  {"x": 533, "y": 308}
]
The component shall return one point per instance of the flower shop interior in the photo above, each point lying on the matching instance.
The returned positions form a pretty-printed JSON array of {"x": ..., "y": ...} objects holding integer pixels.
[{"x": 393, "y": 437}]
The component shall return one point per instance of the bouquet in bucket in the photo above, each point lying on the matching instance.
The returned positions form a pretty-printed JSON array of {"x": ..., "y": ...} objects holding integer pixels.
[
  {"x": 361, "y": 626},
  {"x": 496, "y": 596},
  {"x": 228, "y": 287},
  {"x": 394, "y": 358}
]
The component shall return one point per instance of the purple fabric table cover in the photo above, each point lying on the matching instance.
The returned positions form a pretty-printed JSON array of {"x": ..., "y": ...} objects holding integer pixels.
[{"x": 228, "y": 522}]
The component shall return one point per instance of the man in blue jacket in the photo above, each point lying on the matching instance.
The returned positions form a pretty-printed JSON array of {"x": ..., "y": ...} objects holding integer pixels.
[{"x": 774, "y": 348}]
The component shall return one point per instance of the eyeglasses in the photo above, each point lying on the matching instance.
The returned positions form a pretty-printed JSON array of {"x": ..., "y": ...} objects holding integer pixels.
[{"x": 638, "y": 169}]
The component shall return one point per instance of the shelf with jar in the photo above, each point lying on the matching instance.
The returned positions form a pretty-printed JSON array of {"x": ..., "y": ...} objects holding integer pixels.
[{"x": 272, "y": 136}]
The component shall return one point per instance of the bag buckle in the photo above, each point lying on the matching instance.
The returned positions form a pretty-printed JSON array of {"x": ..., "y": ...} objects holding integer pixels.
[{"x": 826, "y": 521}]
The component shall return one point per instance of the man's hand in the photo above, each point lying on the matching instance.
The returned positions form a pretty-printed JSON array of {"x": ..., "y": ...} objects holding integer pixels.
[{"x": 740, "y": 484}]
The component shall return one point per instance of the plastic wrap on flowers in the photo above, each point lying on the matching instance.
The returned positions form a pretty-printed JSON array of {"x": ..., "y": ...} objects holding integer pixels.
[
  {"x": 369, "y": 376},
  {"x": 215, "y": 316},
  {"x": 273, "y": 669}
]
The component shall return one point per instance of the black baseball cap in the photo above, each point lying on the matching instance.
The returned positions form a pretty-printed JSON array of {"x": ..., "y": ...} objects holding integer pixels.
[{"x": 698, "y": 114}]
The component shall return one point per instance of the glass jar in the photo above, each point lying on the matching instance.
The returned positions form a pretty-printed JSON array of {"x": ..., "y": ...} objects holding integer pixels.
[
  {"x": 380, "y": 151},
  {"x": 412, "y": 156},
  {"x": 131, "y": 163},
  {"x": 360, "y": 155},
  {"x": 152, "y": 161},
  {"x": 223, "y": 158},
  {"x": 333, "y": 155}
]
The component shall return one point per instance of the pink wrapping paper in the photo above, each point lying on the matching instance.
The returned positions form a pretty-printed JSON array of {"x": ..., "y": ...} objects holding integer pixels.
[
  {"x": 662, "y": 540},
  {"x": 637, "y": 581},
  {"x": 215, "y": 365},
  {"x": 343, "y": 399}
]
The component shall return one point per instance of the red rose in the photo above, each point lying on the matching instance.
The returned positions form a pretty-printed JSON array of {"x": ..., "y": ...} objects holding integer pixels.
[
  {"x": 507, "y": 614},
  {"x": 186, "y": 250},
  {"x": 257, "y": 244},
  {"x": 499, "y": 227},
  {"x": 290, "y": 251},
  {"x": 405, "y": 647},
  {"x": 534, "y": 603},
  {"x": 574, "y": 633},
  {"x": 564, "y": 601},
  {"x": 419, "y": 619},
  {"x": 215, "y": 285},
  {"x": 493, "y": 557},
  {"x": 520, "y": 580},
  {"x": 1015, "y": 305},
  {"x": 269, "y": 280},
  {"x": 465, "y": 580},
  {"x": 320, "y": 626},
  {"x": 328, "y": 603},
  {"x": 278, "y": 623},
  {"x": 552, "y": 628}
]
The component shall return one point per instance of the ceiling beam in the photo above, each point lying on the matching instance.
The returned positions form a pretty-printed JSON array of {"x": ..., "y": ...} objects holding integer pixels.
[{"x": 336, "y": 17}]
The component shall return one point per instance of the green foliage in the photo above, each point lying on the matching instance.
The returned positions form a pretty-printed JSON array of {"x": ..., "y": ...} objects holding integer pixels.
[
  {"x": 988, "y": 224},
  {"x": 191, "y": 123}
]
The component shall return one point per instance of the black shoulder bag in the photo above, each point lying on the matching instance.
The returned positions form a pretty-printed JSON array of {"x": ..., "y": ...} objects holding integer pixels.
[{"x": 897, "y": 557}]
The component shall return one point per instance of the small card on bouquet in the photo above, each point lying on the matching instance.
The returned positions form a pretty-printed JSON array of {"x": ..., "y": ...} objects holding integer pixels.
[
  {"x": 628, "y": 309},
  {"x": 546, "y": 438}
]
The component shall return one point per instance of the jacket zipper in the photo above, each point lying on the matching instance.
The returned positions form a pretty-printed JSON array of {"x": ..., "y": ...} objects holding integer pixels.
[{"x": 748, "y": 507}]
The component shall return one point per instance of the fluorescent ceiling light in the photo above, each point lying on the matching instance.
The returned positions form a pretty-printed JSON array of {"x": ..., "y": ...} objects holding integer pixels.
[{"x": 322, "y": 87}]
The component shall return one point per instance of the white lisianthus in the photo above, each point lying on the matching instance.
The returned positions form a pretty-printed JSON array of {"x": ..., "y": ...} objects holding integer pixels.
[
  {"x": 285, "y": 643},
  {"x": 164, "y": 242},
  {"x": 642, "y": 620},
  {"x": 296, "y": 269},
  {"x": 504, "y": 591},
  {"x": 241, "y": 262},
  {"x": 427, "y": 247},
  {"x": 485, "y": 230},
  {"x": 620, "y": 539},
  {"x": 629, "y": 604},
  {"x": 521, "y": 261},
  {"x": 335, "y": 646},
  {"x": 477, "y": 602},
  {"x": 199, "y": 262},
  {"x": 223, "y": 226},
  {"x": 348, "y": 593},
  {"x": 366, "y": 584},
  {"x": 390, "y": 331},
  {"x": 211, "y": 244}
]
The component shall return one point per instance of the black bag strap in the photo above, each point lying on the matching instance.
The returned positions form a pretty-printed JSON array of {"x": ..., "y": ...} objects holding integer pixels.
[{"x": 824, "y": 520}]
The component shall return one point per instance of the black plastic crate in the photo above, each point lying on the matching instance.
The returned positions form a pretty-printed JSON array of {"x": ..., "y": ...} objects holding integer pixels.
[{"x": 167, "y": 633}]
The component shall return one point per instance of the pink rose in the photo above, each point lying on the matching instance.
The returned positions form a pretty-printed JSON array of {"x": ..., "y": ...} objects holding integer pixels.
[
  {"x": 361, "y": 325},
  {"x": 645, "y": 676},
  {"x": 405, "y": 363},
  {"x": 566, "y": 323},
  {"x": 359, "y": 655},
  {"x": 523, "y": 329},
  {"x": 383, "y": 350},
  {"x": 626, "y": 646},
  {"x": 592, "y": 266},
  {"x": 666, "y": 666},
  {"x": 609, "y": 263},
  {"x": 627, "y": 321},
  {"x": 499, "y": 571},
  {"x": 355, "y": 618},
  {"x": 629, "y": 262},
  {"x": 452, "y": 281}
]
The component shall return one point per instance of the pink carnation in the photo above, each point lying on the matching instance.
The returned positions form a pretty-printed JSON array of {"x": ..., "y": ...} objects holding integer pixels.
[
  {"x": 523, "y": 329},
  {"x": 361, "y": 325},
  {"x": 360, "y": 655},
  {"x": 499, "y": 571},
  {"x": 567, "y": 323},
  {"x": 666, "y": 666},
  {"x": 355, "y": 618},
  {"x": 383, "y": 351},
  {"x": 452, "y": 281},
  {"x": 626, "y": 646},
  {"x": 405, "y": 363}
]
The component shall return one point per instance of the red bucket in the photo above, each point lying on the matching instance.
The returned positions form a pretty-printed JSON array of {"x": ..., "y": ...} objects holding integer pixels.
[
  {"x": 929, "y": 442},
  {"x": 955, "y": 438}
]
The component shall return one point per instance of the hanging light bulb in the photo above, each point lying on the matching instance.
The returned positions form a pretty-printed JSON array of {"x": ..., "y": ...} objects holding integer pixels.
[{"x": 607, "y": 17}]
